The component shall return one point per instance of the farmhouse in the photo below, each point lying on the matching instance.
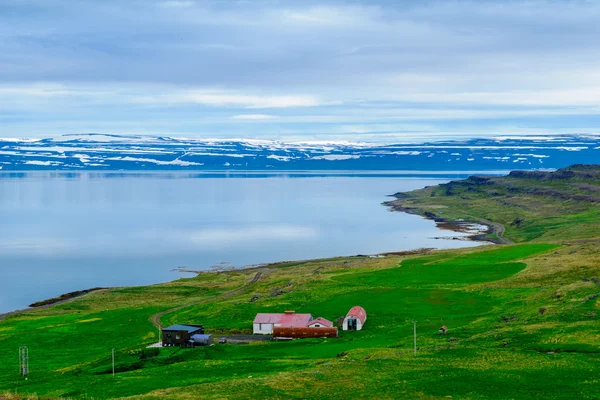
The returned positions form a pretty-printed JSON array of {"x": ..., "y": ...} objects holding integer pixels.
[
  {"x": 264, "y": 323},
  {"x": 320, "y": 323},
  {"x": 355, "y": 319},
  {"x": 180, "y": 335}
]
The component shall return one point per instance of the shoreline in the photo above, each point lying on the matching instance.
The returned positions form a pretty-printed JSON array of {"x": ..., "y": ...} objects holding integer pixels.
[
  {"x": 63, "y": 297},
  {"x": 463, "y": 226},
  {"x": 53, "y": 301},
  {"x": 441, "y": 223},
  {"x": 256, "y": 267},
  {"x": 70, "y": 296}
]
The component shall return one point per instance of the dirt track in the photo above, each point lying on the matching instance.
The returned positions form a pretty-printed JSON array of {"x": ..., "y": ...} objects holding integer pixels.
[{"x": 155, "y": 319}]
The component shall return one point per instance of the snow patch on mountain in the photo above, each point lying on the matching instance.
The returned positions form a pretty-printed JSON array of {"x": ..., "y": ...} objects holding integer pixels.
[
  {"x": 336, "y": 157},
  {"x": 134, "y": 152},
  {"x": 158, "y": 162}
]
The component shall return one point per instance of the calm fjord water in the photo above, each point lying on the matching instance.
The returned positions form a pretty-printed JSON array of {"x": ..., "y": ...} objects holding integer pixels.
[{"x": 63, "y": 232}]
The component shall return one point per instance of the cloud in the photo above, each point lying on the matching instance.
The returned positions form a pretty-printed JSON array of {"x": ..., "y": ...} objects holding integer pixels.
[
  {"x": 40, "y": 246},
  {"x": 309, "y": 68},
  {"x": 576, "y": 97},
  {"x": 156, "y": 95},
  {"x": 35, "y": 90},
  {"x": 224, "y": 99},
  {"x": 253, "y": 117},
  {"x": 327, "y": 16},
  {"x": 176, "y": 4}
]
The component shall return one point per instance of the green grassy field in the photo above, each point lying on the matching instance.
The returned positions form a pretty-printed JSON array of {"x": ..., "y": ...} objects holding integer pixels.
[
  {"x": 522, "y": 323},
  {"x": 534, "y": 206}
]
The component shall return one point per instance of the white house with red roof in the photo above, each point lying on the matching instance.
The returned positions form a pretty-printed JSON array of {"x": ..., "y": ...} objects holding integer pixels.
[
  {"x": 265, "y": 322},
  {"x": 320, "y": 323}
]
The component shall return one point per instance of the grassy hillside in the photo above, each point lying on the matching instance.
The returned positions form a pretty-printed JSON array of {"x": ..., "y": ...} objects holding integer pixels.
[
  {"x": 522, "y": 318},
  {"x": 532, "y": 206}
]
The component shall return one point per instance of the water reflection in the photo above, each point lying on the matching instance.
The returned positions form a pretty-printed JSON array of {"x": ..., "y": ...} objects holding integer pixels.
[{"x": 68, "y": 231}]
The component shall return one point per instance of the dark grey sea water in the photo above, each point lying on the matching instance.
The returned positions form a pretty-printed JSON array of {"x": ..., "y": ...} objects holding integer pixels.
[{"x": 61, "y": 232}]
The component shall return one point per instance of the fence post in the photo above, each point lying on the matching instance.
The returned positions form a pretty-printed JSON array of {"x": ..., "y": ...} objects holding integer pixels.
[{"x": 415, "y": 336}]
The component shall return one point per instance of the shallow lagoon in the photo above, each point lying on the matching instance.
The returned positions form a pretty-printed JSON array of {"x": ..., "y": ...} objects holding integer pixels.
[{"x": 61, "y": 232}]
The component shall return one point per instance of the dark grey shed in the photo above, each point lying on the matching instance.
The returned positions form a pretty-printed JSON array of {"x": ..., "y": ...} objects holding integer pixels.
[{"x": 180, "y": 335}]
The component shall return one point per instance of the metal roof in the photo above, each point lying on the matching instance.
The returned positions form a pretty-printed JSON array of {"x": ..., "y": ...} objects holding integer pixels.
[
  {"x": 357, "y": 312},
  {"x": 287, "y": 319},
  {"x": 200, "y": 336},
  {"x": 321, "y": 321},
  {"x": 187, "y": 328}
]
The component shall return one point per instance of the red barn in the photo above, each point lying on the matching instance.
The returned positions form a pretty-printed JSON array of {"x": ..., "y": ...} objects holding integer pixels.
[{"x": 304, "y": 332}]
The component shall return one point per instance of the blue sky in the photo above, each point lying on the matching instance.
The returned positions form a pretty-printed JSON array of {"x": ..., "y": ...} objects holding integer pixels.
[{"x": 379, "y": 71}]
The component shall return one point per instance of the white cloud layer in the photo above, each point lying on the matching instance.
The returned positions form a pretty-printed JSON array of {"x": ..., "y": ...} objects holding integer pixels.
[
  {"x": 227, "y": 99},
  {"x": 253, "y": 117},
  {"x": 308, "y": 68}
]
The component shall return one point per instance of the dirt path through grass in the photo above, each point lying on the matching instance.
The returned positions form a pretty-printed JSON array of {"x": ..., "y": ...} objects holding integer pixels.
[
  {"x": 155, "y": 319},
  {"x": 497, "y": 229}
]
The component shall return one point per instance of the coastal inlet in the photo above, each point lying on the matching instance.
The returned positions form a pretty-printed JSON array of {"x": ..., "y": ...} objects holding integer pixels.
[{"x": 64, "y": 232}]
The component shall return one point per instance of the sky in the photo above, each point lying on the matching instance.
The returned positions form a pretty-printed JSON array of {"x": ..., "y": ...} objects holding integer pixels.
[{"x": 378, "y": 71}]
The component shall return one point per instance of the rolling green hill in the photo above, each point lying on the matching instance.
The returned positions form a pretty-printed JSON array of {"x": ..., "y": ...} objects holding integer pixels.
[
  {"x": 522, "y": 318},
  {"x": 532, "y": 206}
]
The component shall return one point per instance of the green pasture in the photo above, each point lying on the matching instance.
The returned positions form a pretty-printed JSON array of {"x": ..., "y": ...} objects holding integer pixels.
[
  {"x": 523, "y": 319},
  {"x": 70, "y": 344}
]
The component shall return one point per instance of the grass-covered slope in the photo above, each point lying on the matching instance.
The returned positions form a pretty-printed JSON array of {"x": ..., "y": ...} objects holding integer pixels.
[
  {"x": 532, "y": 206},
  {"x": 523, "y": 323},
  {"x": 503, "y": 345}
]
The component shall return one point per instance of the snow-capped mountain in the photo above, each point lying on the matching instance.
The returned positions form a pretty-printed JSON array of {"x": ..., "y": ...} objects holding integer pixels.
[{"x": 120, "y": 152}]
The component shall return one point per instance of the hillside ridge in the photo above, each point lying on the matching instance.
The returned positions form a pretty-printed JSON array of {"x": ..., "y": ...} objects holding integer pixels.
[{"x": 519, "y": 202}]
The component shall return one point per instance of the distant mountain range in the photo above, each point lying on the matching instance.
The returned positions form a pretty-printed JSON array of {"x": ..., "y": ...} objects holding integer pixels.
[{"x": 138, "y": 153}]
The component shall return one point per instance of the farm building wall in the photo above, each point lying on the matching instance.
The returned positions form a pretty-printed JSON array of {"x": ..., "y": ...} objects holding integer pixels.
[
  {"x": 304, "y": 332},
  {"x": 263, "y": 329}
]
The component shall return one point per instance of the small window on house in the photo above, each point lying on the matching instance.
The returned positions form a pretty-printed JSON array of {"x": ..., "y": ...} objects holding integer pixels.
[{"x": 177, "y": 337}]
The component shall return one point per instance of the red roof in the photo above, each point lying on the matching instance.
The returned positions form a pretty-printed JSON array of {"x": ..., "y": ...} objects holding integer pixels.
[
  {"x": 321, "y": 321},
  {"x": 358, "y": 312},
  {"x": 287, "y": 319}
]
